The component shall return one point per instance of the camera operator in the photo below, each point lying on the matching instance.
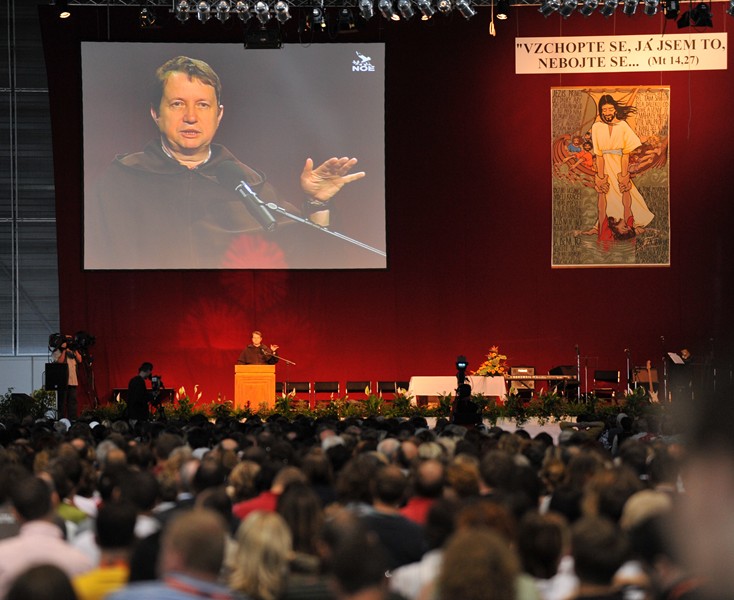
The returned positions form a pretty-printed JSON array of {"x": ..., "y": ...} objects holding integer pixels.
[
  {"x": 66, "y": 352},
  {"x": 138, "y": 394}
]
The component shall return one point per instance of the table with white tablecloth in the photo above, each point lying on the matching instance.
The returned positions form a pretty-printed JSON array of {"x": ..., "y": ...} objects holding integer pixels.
[{"x": 440, "y": 385}]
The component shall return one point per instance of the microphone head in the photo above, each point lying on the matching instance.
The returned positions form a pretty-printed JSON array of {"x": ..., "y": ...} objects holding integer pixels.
[{"x": 230, "y": 174}]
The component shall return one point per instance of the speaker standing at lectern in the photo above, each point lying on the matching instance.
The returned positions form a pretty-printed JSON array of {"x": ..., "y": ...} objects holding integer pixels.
[{"x": 258, "y": 353}]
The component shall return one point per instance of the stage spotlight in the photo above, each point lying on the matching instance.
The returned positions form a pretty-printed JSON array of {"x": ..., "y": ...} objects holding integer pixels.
[
  {"x": 588, "y": 7},
  {"x": 503, "y": 10},
  {"x": 282, "y": 12},
  {"x": 549, "y": 7},
  {"x": 567, "y": 8},
  {"x": 203, "y": 11},
  {"x": 698, "y": 16},
  {"x": 427, "y": 9},
  {"x": 147, "y": 17},
  {"x": 345, "y": 20},
  {"x": 366, "y": 9},
  {"x": 671, "y": 9},
  {"x": 182, "y": 10},
  {"x": 444, "y": 6},
  {"x": 262, "y": 11},
  {"x": 63, "y": 8},
  {"x": 651, "y": 7},
  {"x": 630, "y": 6},
  {"x": 222, "y": 9},
  {"x": 730, "y": 9},
  {"x": 465, "y": 8},
  {"x": 387, "y": 10},
  {"x": 609, "y": 7},
  {"x": 406, "y": 10},
  {"x": 317, "y": 17}
]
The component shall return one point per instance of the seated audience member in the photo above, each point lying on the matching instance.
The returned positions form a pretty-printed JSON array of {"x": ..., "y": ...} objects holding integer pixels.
[
  {"x": 409, "y": 580},
  {"x": 267, "y": 500},
  {"x": 264, "y": 547},
  {"x": 42, "y": 582},
  {"x": 40, "y": 539},
  {"x": 403, "y": 540},
  {"x": 191, "y": 559},
  {"x": 428, "y": 478},
  {"x": 115, "y": 535},
  {"x": 544, "y": 549},
  {"x": 599, "y": 548},
  {"x": 477, "y": 565}
]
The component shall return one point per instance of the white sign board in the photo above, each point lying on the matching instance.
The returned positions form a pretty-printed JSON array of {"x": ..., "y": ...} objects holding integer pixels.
[{"x": 623, "y": 53}]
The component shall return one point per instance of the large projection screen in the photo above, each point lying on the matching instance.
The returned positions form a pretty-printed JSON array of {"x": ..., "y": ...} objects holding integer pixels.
[{"x": 145, "y": 210}]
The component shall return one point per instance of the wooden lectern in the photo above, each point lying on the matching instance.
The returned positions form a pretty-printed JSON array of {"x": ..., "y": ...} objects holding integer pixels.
[{"x": 254, "y": 384}]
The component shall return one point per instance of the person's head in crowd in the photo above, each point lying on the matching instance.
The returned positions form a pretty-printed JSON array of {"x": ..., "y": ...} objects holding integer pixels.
[
  {"x": 355, "y": 559},
  {"x": 139, "y": 488},
  {"x": 428, "y": 479},
  {"x": 301, "y": 509},
  {"x": 407, "y": 453},
  {"x": 353, "y": 481},
  {"x": 9, "y": 475},
  {"x": 216, "y": 499},
  {"x": 317, "y": 468},
  {"x": 211, "y": 473},
  {"x": 566, "y": 501},
  {"x": 607, "y": 492},
  {"x": 389, "y": 487},
  {"x": 264, "y": 546},
  {"x": 32, "y": 499},
  {"x": 582, "y": 466},
  {"x": 496, "y": 468},
  {"x": 165, "y": 444},
  {"x": 481, "y": 513},
  {"x": 644, "y": 505},
  {"x": 598, "y": 548},
  {"x": 389, "y": 448},
  {"x": 635, "y": 455},
  {"x": 241, "y": 481},
  {"x": 115, "y": 527},
  {"x": 193, "y": 544},
  {"x": 477, "y": 565},
  {"x": 462, "y": 477},
  {"x": 542, "y": 539},
  {"x": 41, "y": 582}
]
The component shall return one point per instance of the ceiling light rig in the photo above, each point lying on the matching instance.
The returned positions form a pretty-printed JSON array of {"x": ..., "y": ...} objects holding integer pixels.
[{"x": 400, "y": 10}]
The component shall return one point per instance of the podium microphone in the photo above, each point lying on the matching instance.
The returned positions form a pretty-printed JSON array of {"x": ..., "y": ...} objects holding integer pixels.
[{"x": 230, "y": 175}]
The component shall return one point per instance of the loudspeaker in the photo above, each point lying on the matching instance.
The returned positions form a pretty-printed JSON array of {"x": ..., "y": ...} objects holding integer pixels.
[
  {"x": 56, "y": 377},
  {"x": 523, "y": 384}
]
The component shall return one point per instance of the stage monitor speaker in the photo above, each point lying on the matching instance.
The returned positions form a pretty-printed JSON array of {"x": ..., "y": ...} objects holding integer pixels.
[
  {"x": 523, "y": 384},
  {"x": 57, "y": 377}
]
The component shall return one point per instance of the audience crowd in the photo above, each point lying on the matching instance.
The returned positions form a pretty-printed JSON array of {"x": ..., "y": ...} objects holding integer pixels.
[{"x": 360, "y": 509}]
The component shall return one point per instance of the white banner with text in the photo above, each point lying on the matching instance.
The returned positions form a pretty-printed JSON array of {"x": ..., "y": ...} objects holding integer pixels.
[{"x": 622, "y": 53}]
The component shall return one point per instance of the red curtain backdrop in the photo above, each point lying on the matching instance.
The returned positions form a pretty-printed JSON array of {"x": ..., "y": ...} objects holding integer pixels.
[{"x": 469, "y": 224}]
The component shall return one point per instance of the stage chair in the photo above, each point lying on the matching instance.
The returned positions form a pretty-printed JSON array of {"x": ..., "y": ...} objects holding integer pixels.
[
  {"x": 324, "y": 391},
  {"x": 386, "y": 387},
  {"x": 525, "y": 388},
  {"x": 356, "y": 388},
  {"x": 602, "y": 381},
  {"x": 302, "y": 389}
]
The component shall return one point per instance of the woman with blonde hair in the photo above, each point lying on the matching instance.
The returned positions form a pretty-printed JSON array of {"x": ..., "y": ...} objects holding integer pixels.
[{"x": 264, "y": 549}]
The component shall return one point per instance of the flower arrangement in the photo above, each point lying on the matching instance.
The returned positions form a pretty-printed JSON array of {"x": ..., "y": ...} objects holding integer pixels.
[{"x": 494, "y": 365}]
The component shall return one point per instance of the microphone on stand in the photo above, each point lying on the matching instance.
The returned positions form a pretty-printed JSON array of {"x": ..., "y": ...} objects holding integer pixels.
[{"x": 231, "y": 175}]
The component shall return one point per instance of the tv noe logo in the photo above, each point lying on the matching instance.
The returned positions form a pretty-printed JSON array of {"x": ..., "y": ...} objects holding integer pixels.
[{"x": 362, "y": 63}]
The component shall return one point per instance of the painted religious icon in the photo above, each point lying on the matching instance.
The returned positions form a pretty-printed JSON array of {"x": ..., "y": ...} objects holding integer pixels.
[{"x": 609, "y": 153}]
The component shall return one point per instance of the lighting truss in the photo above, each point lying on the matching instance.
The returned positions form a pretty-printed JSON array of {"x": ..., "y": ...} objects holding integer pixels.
[{"x": 586, "y": 7}]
